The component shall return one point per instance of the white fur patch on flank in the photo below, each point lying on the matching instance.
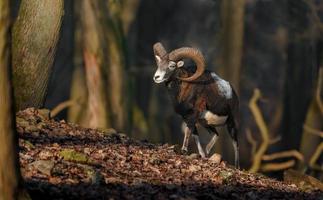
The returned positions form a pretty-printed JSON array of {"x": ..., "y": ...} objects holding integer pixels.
[
  {"x": 223, "y": 86},
  {"x": 213, "y": 119}
]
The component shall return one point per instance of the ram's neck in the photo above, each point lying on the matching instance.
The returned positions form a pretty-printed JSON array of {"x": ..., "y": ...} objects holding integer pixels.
[
  {"x": 181, "y": 90},
  {"x": 177, "y": 88}
]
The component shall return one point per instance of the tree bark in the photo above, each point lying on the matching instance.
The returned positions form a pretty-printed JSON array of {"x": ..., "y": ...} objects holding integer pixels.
[
  {"x": 302, "y": 67},
  {"x": 232, "y": 14},
  {"x": 58, "y": 90},
  {"x": 35, "y": 36},
  {"x": 104, "y": 61},
  {"x": 230, "y": 57},
  {"x": 309, "y": 142},
  {"x": 10, "y": 178},
  {"x": 78, "y": 93},
  {"x": 94, "y": 52},
  {"x": 128, "y": 14},
  {"x": 116, "y": 72}
]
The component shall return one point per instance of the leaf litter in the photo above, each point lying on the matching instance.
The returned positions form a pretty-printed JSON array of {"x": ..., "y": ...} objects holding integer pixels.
[{"x": 60, "y": 160}]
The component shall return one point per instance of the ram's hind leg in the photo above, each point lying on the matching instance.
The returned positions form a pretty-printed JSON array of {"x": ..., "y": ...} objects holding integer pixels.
[
  {"x": 213, "y": 140},
  {"x": 198, "y": 144},
  {"x": 233, "y": 131},
  {"x": 192, "y": 129}
]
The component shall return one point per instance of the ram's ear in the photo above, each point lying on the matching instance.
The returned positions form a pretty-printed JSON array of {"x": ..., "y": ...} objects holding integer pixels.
[
  {"x": 158, "y": 59},
  {"x": 180, "y": 63}
]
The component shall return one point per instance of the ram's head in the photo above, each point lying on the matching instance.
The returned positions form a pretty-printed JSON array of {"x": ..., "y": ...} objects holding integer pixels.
[{"x": 167, "y": 63}]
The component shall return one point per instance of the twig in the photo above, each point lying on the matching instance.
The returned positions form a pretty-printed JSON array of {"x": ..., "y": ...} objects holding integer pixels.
[
  {"x": 263, "y": 130},
  {"x": 315, "y": 156},
  {"x": 277, "y": 166},
  {"x": 61, "y": 107},
  {"x": 253, "y": 142},
  {"x": 313, "y": 131},
  {"x": 284, "y": 154},
  {"x": 275, "y": 140}
]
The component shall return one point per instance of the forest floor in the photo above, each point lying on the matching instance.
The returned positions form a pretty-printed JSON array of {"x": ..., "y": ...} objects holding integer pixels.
[{"x": 64, "y": 161}]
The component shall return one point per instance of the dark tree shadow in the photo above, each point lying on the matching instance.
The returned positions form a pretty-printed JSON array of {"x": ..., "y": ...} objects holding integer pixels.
[{"x": 44, "y": 190}]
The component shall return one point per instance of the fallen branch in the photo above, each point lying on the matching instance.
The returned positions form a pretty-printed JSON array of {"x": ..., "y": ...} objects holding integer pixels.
[
  {"x": 62, "y": 106},
  {"x": 277, "y": 166},
  {"x": 263, "y": 130},
  {"x": 253, "y": 142},
  {"x": 284, "y": 154}
]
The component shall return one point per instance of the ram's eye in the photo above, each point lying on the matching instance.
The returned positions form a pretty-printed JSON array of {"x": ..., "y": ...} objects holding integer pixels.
[{"x": 171, "y": 67}]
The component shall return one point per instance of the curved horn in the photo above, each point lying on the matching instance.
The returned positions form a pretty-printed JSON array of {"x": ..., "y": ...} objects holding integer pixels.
[
  {"x": 159, "y": 49},
  {"x": 192, "y": 53}
]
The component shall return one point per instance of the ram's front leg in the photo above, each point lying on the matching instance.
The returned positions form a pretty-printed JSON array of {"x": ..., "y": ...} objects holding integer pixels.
[
  {"x": 187, "y": 136},
  {"x": 192, "y": 130}
]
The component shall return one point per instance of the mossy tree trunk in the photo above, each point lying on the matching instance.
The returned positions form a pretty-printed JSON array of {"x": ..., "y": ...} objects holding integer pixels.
[
  {"x": 35, "y": 36},
  {"x": 10, "y": 178}
]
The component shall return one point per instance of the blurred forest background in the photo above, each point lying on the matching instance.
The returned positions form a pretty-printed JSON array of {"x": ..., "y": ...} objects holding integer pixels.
[{"x": 101, "y": 74}]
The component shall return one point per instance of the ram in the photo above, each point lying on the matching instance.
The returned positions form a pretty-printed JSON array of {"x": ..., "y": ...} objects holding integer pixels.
[{"x": 199, "y": 96}]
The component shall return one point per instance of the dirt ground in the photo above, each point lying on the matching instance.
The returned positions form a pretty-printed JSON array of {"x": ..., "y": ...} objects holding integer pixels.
[{"x": 64, "y": 161}]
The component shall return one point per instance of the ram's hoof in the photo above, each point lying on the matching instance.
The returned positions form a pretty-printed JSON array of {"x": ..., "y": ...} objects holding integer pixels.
[{"x": 184, "y": 151}]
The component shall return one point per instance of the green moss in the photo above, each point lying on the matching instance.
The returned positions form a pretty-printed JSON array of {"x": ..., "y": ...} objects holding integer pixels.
[
  {"x": 31, "y": 129},
  {"x": 28, "y": 144},
  {"x": 225, "y": 175},
  {"x": 72, "y": 155},
  {"x": 22, "y": 122},
  {"x": 107, "y": 131}
]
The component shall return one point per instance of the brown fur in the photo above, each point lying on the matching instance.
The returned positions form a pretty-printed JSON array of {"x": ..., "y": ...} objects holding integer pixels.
[{"x": 185, "y": 89}]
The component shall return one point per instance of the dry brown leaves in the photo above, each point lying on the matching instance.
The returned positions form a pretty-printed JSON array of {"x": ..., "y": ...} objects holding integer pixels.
[{"x": 115, "y": 166}]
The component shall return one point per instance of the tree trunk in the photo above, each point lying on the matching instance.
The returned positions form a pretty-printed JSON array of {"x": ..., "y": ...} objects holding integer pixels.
[
  {"x": 230, "y": 57},
  {"x": 104, "y": 60},
  {"x": 128, "y": 14},
  {"x": 310, "y": 141},
  {"x": 35, "y": 36},
  {"x": 78, "y": 93},
  {"x": 232, "y": 13},
  {"x": 116, "y": 72},
  {"x": 58, "y": 90},
  {"x": 10, "y": 178},
  {"x": 94, "y": 52},
  {"x": 301, "y": 73}
]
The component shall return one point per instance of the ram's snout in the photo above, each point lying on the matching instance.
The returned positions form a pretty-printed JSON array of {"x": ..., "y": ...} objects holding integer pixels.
[{"x": 159, "y": 76}]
